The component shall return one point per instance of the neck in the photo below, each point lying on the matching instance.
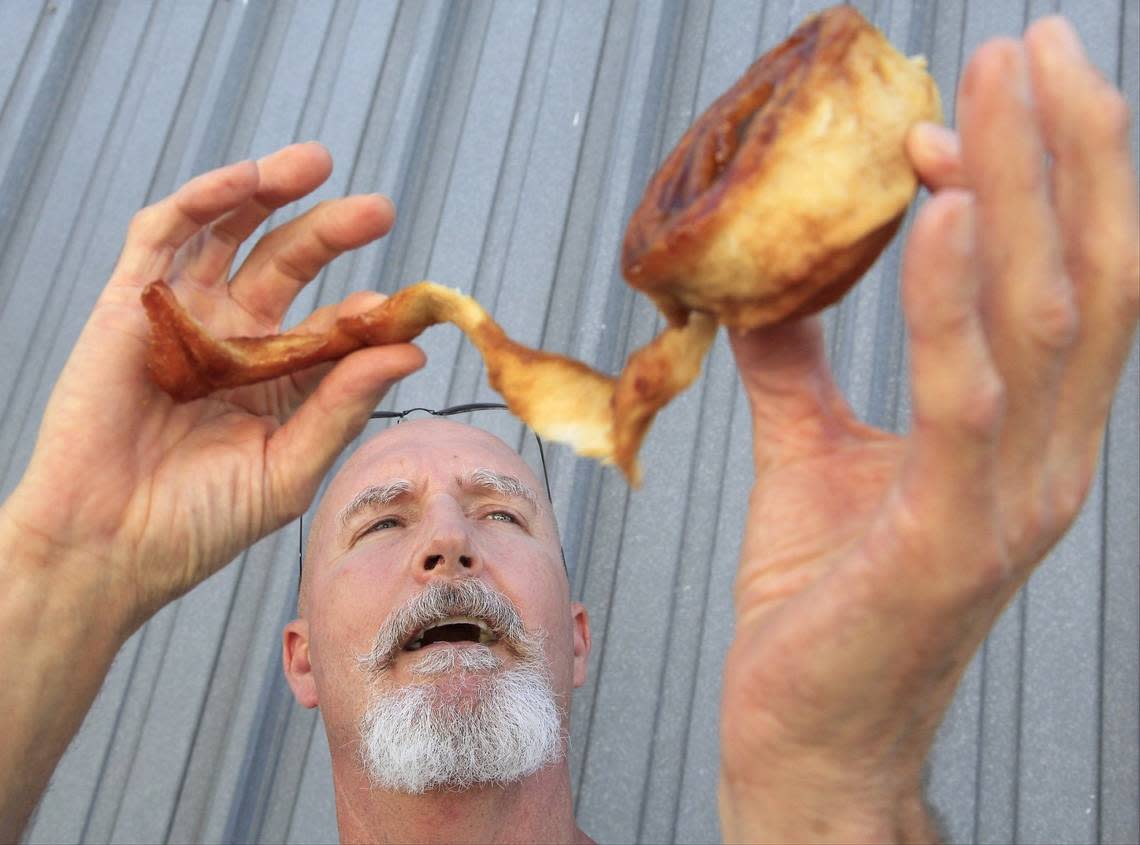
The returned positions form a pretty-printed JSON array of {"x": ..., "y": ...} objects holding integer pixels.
[{"x": 536, "y": 809}]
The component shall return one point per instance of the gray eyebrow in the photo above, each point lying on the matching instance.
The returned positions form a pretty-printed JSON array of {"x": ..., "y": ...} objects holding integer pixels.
[
  {"x": 506, "y": 485},
  {"x": 372, "y": 495}
]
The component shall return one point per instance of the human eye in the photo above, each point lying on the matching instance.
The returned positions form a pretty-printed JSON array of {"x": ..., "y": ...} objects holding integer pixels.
[
  {"x": 381, "y": 525},
  {"x": 506, "y": 515}
]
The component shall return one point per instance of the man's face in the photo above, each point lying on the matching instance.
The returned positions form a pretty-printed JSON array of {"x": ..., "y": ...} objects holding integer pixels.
[{"x": 426, "y": 506}]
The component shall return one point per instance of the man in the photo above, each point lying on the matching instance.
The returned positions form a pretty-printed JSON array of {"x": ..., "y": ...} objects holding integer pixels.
[
  {"x": 872, "y": 566},
  {"x": 464, "y": 724}
]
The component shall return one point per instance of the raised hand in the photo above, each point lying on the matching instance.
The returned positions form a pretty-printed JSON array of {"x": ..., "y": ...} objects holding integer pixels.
[
  {"x": 873, "y": 566},
  {"x": 129, "y": 499},
  {"x": 157, "y": 496}
]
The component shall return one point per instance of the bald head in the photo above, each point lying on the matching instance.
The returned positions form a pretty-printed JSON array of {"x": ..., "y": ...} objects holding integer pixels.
[
  {"x": 400, "y": 463},
  {"x": 419, "y": 517}
]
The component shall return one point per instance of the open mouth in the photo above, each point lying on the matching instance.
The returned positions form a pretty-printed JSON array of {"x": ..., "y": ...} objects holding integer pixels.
[{"x": 452, "y": 629}]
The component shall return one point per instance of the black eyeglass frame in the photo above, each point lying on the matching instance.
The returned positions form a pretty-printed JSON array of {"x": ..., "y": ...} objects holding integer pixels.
[{"x": 442, "y": 412}]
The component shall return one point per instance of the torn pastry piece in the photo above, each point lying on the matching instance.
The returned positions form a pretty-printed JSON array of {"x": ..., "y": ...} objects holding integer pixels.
[
  {"x": 772, "y": 205},
  {"x": 564, "y": 400},
  {"x": 784, "y": 192}
]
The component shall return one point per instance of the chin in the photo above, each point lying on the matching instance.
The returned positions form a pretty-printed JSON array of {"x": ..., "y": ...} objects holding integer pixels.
[{"x": 461, "y": 717}]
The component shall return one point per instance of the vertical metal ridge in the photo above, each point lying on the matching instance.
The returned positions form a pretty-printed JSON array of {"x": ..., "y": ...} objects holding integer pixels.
[
  {"x": 42, "y": 114},
  {"x": 576, "y": 193},
  {"x": 672, "y": 782},
  {"x": 479, "y": 279},
  {"x": 598, "y": 665},
  {"x": 464, "y": 115}
]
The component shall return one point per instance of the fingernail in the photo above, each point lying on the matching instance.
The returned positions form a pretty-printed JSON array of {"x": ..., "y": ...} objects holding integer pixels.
[
  {"x": 1065, "y": 39},
  {"x": 383, "y": 199},
  {"x": 939, "y": 140},
  {"x": 362, "y": 301}
]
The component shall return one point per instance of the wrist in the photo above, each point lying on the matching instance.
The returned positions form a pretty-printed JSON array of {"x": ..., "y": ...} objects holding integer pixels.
[
  {"x": 816, "y": 808},
  {"x": 58, "y": 637},
  {"x": 66, "y": 584}
]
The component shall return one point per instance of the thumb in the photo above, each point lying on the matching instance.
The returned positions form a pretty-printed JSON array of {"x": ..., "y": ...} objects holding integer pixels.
[
  {"x": 301, "y": 451},
  {"x": 797, "y": 409},
  {"x": 936, "y": 155}
]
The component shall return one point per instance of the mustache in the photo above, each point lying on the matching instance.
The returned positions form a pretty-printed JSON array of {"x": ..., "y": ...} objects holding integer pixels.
[{"x": 440, "y": 599}]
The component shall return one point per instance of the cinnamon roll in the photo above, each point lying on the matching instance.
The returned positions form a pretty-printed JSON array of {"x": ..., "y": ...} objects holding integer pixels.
[
  {"x": 772, "y": 205},
  {"x": 783, "y": 193}
]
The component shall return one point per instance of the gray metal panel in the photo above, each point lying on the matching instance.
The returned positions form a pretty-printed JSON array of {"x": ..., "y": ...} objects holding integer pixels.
[{"x": 516, "y": 139}]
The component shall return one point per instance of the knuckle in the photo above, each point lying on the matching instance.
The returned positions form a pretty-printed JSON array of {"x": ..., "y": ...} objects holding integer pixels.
[
  {"x": 143, "y": 222},
  {"x": 323, "y": 208},
  {"x": 1068, "y": 495},
  {"x": 1023, "y": 532},
  {"x": 972, "y": 410},
  {"x": 225, "y": 235},
  {"x": 981, "y": 413},
  {"x": 990, "y": 571},
  {"x": 948, "y": 321},
  {"x": 1040, "y": 520},
  {"x": 959, "y": 579},
  {"x": 935, "y": 321},
  {"x": 905, "y": 535},
  {"x": 1054, "y": 320},
  {"x": 289, "y": 267},
  {"x": 1110, "y": 256}
]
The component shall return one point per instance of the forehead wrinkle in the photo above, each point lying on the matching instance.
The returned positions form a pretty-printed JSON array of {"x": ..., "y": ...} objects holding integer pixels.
[
  {"x": 372, "y": 495},
  {"x": 506, "y": 485}
]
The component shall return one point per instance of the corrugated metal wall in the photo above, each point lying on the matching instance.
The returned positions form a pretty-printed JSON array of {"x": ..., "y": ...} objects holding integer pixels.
[{"x": 516, "y": 138}]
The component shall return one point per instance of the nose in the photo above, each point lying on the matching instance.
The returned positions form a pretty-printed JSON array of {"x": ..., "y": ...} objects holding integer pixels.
[
  {"x": 432, "y": 561},
  {"x": 448, "y": 551}
]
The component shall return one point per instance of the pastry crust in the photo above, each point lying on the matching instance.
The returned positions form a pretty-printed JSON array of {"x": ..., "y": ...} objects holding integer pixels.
[
  {"x": 600, "y": 416},
  {"x": 787, "y": 188},
  {"x": 774, "y": 203}
]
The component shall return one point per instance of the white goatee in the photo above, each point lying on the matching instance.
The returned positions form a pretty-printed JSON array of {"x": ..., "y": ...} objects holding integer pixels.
[{"x": 504, "y": 726}]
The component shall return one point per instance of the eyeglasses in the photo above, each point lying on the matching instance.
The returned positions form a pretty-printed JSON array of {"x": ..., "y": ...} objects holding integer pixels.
[{"x": 399, "y": 416}]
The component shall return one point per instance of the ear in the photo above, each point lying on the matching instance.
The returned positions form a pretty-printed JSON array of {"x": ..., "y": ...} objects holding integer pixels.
[
  {"x": 295, "y": 657},
  {"x": 581, "y": 621}
]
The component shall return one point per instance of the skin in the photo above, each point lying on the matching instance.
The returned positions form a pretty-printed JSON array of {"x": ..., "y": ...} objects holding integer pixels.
[
  {"x": 1021, "y": 287},
  {"x": 357, "y": 575},
  {"x": 171, "y": 493}
]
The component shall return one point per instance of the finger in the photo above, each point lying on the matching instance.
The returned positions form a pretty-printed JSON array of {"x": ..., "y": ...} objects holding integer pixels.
[
  {"x": 956, "y": 390},
  {"x": 302, "y": 450},
  {"x": 284, "y": 176},
  {"x": 289, "y": 257},
  {"x": 158, "y": 231},
  {"x": 321, "y": 321},
  {"x": 1086, "y": 124},
  {"x": 325, "y": 317},
  {"x": 1028, "y": 300},
  {"x": 797, "y": 410},
  {"x": 936, "y": 155},
  {"x": 948, "y": 473}
]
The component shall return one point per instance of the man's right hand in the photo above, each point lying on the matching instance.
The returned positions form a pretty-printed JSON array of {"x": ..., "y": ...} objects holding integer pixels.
[
  {"x": 130, "y": 499},
  {"x": 156, "y": 495}
]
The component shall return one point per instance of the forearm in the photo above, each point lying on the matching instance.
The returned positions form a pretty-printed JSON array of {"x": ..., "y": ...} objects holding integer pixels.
[
  {"x": 812, "y": 812},
  {"x": 58, "y": 636}
]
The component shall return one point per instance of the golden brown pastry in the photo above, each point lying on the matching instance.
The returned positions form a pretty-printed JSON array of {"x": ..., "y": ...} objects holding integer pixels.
[
  {"x": 599, "y": 416},
  {"x": 773, "y": 204},
  {"x": 783, "y": 193}
]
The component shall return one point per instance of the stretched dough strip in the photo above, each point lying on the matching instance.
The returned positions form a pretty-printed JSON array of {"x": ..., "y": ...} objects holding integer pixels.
[
  {"x": 773, "y": 204},
  {"x": 599, "y": 416}
]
